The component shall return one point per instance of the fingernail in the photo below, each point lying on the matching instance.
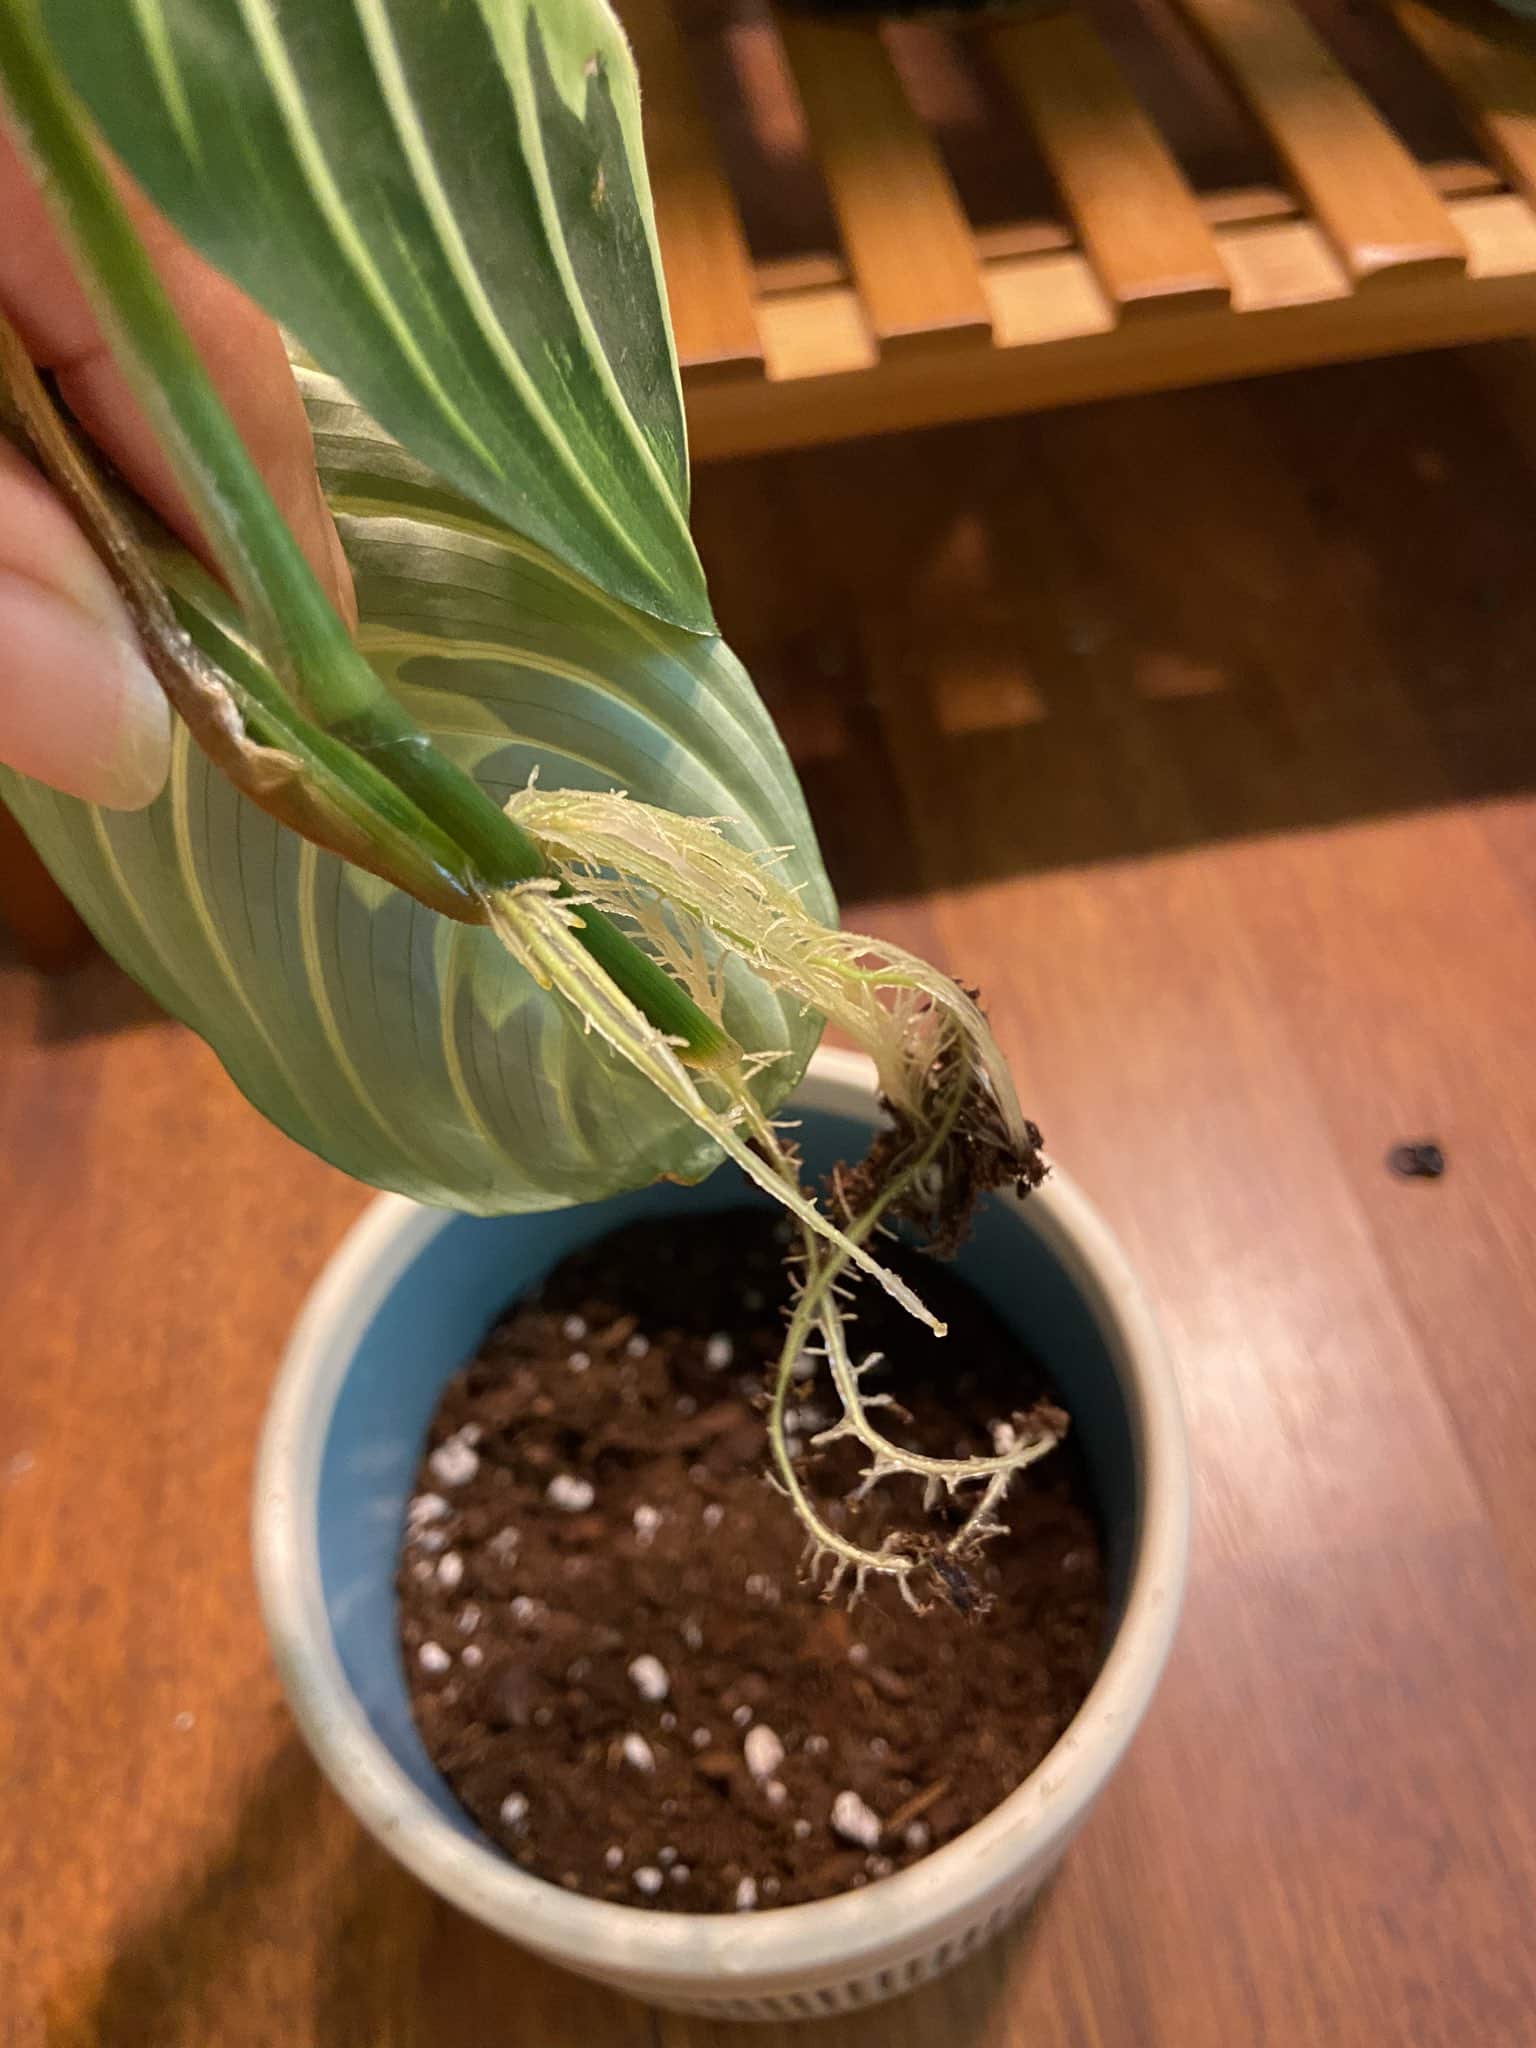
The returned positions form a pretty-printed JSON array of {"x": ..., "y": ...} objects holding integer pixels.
[
  {"x": 140, "y": 760},
  {"x": 79, "y": 706}
]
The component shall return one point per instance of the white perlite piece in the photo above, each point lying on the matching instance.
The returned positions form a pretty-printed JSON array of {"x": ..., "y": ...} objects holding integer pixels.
[
  {"x": 638, "y": 1753},
  {"x": 514, "y": 1809},
  {"x": 763, "y": 1751},
  {"x": 666, "y": 1857},
  {"x": 917, "y": 1836},
  {"x": 637, "y": 1347},
  {"x": 578, "y": 1361},
  {"x": 648, "y": 1675},
  {"x": 741, "y": 1715},
  {"x": 425, "y": 1508},
  {"x": 450, "y": 1570},
  {"x": 433, "y": 1657},
  {"x": 473, "y": 1655},
  {"x": 802, "y": 1829},
  {"x": 613, "y": 1856},
  {"x": 693, "y": 1635},
  {"x": 714, "y": 1515},
  {"x": 575, "y": 1328},
  {"x": 775, "y": 1792},
  {"x": 469, "y": 1618},
  {"x": 455, "y": 1462},
  {"x": 523, "y": 1608},
  {"x": 854, "y": 1821},
  {"x": 647, "y": 1522},
  {"x": 648, "y": 1880},
  {"x": 571, "y": 1494},
  {"x": 701, "y": 1738},
  {"x": 746, "y": 1895},
  {"x": 719, "y": 1352}
]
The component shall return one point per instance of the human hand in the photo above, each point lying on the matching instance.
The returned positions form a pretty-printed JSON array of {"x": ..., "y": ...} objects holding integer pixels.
[{"x": 79, "y": 707}]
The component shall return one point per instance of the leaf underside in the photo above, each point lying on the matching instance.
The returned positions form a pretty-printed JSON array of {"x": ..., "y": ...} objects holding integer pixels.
[{"x": 410, "y": 1050}]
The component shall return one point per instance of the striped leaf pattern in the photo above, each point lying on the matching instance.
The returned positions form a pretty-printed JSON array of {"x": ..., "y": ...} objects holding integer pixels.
[
  {"x": 445, "y": 202},
  {"x": 407, "y": 1049}
]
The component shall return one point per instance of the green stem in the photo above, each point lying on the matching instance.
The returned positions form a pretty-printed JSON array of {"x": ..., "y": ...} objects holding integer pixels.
[{"x": 265, "y": 567}]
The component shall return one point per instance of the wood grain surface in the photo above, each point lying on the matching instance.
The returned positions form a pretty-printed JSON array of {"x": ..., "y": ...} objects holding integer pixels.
[
  {"x": 1200, "y": 730},
  {"x": 1358, "y": 175},
  {"x": 906, "y": 236},
  {"x": 1144, "y": 233}
]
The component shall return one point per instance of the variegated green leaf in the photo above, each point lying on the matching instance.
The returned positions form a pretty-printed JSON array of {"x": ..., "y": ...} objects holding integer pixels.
[
  {"x": 410, "y": 1050},
  {"x": 446, "y": 202}
]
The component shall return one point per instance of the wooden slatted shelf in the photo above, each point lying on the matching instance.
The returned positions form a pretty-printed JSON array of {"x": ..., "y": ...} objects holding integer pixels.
[
  {"x": 709, "y": 271},
  {"x": 1142, "y": 228},
  {"x": 909, "y": 244},
  {"x": 1490, "y": 66},
  {"x": 1113, "y": 267},
  {"x": 1359, "y": 180}
]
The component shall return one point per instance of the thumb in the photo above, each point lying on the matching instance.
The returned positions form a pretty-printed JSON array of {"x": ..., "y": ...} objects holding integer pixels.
[{"x": 79, "y": 707}]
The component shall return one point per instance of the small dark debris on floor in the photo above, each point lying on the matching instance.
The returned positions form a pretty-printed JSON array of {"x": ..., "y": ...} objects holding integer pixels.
[{"x": 1419, "y": 1159}]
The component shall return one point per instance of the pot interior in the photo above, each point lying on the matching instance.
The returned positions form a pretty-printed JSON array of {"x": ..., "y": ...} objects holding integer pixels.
[{"x": 464, "y": 1272}]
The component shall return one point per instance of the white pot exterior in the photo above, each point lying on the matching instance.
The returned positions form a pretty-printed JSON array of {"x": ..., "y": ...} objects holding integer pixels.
[{"x": 796, "y": 1961}]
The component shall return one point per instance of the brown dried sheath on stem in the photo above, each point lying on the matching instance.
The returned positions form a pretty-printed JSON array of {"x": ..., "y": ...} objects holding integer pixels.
[{"x": 278, "y": 781}]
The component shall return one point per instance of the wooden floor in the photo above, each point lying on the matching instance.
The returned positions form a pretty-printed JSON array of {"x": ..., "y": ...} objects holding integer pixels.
[{"x": 1200, "y": 730}]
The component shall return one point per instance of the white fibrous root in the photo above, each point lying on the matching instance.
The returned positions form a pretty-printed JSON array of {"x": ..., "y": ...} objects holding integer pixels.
[{"x": 692, "y": 898}]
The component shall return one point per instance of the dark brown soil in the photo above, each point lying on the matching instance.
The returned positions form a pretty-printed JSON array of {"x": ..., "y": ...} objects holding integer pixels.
[{"x": 611, "y": 1654}]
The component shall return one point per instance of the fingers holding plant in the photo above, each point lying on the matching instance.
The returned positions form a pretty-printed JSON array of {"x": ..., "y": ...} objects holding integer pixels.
[{"x": 79, "y": 708}]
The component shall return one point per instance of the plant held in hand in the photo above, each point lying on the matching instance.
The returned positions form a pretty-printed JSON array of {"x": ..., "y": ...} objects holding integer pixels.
[{"x": 442, "y": 973}]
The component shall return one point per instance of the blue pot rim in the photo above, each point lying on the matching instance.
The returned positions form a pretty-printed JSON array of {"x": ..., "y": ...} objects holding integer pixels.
[{"x": 957, "y": 1885}]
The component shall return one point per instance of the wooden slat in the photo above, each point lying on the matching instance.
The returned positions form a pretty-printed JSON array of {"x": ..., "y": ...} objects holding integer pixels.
[
  {"x": 1489, "y": 62},
  {"x": 1243, "y": 206},
  {"x": 818, "y": 332},
  {"x": 1059, "y": 343},
  {"x": 908, "y": 242},
  {"x": 1239, "y": 206},
  {"x": 703, "y": 248},
  {"x": 1139, "y": 221},
  {"x": 1366, "y": 191}
]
